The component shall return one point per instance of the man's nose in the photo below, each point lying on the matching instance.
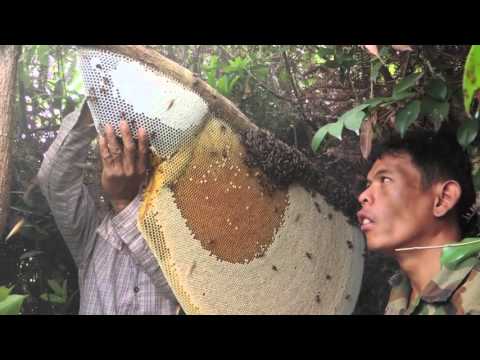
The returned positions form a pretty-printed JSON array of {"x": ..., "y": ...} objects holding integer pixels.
[{"x": 365, "y": 197}]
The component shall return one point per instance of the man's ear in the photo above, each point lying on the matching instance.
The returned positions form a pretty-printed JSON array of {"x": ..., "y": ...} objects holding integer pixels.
[{"x": 447, "y": 196}]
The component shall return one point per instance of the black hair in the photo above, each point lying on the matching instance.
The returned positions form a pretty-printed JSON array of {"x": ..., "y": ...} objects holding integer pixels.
[{"x": 438, "y": 156}]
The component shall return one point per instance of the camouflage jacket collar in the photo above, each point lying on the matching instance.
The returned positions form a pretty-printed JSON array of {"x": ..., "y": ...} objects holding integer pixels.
[{"x": 438, "y": 290}]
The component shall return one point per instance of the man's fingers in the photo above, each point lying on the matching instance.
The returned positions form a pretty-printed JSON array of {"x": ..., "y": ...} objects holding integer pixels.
[
  {"x": 142, "y": 151},
  {"x": 104, "y": 152},
  {"x": 129, "y": 148},
  {"x": 112, "y": 143}
]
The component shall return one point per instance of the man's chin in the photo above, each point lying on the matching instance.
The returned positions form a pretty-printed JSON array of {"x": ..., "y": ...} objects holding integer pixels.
[{"x": 377, "y": 245}]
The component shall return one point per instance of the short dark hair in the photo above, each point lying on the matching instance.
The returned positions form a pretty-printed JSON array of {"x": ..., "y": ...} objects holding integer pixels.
[{"x": 438, "y": 156}]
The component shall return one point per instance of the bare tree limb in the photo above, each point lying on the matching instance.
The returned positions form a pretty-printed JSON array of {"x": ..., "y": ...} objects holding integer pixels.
[
  {"x": 295, "y": 88},
  {"x": 8, "y": 69}
]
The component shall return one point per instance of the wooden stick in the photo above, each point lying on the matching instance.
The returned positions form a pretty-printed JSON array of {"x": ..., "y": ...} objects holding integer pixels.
[{"x": 436, "y": 246}]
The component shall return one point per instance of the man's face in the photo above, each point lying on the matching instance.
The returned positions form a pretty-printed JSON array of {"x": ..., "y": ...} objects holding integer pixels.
[{"x": 396, "y": 209}]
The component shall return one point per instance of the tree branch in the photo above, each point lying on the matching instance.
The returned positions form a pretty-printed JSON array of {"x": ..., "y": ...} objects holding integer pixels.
[
  {"x": 259, "y": 82},
  {"x": 295, "y": 88},
  {"x": 44, "y": 128}
]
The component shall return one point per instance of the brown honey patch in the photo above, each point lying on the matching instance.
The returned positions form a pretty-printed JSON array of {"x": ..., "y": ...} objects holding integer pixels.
[{"x": 224, "y": 202}]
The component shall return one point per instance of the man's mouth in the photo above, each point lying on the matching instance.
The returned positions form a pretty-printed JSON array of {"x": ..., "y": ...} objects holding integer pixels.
[{"x": 366, "y": 222}]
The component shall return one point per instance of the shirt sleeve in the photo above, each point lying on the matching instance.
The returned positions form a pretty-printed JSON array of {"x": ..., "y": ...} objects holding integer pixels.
[
  {"x": 121, "y": 231},
  {"x": 61, "y": 181}
]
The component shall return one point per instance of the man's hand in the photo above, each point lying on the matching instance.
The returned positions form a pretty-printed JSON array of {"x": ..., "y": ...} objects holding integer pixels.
[{"x": 124, "y": 167}]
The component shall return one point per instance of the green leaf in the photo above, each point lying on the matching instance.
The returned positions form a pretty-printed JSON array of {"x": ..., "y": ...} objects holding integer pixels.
[
  {"x": 237, "y": 65},
  {"x": 324, "y": 52},
  {"x": 12, "y": 305},
  {"x": 476, "y": 180},
  {"x": 467, "y": 132},
  {"x": 211, "y": 69},
  {"x": 375, "y": 69},
  {"x": 354, "y": 121},
  {"x": 336, "y": 129},
  {"x": 76, "y": 82},
  {"x": 398, "y": 97},
  {"x": 213, "y": 63},
  {"x": 407, "y": 116},
  {"x": 43, "y": 51},
  {"x": 55, "y": 286},
  {"x": 406, "y": 83},
  {"x": 453, "y": 255},
  {"x": 318, "y": 137},
  {"x": 437, "y": 89},
  {"x": 402, "y": 96},
  {"x": 231, "y": 84},
  {"x": 55, "y": 299},
  {"x": 357, "y": 108},
  {"x": 375, "y": 101},
  {"x": 437, "y": 110},
  {"x": 4, "y": 292},
  {"x": 222, "y": 85},
  {"x": 471, "y": 77}
]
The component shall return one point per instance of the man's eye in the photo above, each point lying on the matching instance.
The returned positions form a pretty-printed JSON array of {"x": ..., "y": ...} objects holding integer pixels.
[{"x": 386, "y": 179}]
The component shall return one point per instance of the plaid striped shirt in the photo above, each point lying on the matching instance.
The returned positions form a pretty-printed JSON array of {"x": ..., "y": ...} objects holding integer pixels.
[{"x": 118, "y": 273}]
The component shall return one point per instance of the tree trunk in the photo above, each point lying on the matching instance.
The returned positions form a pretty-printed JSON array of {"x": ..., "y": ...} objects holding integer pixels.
[{"x": 8, "y": 70}]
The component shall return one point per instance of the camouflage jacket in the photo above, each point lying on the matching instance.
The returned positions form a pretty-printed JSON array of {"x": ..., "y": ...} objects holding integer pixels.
[{"x": 453, "y": 291}]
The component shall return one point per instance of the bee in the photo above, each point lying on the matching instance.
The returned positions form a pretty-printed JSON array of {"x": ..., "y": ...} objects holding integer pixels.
[
  {"x": 171, "y": 104},
  {"x": 297, "y": 218},
  {"x": 194, "y": 265},
  {"x": 223, "y": 129},
  {"x": 274, "y": 268},
  {"x": 317, "y": 299},
  {"x": 330, "y": 216},
  {"x": 347, "y": 297},
  {"x": 224, "y": 153},
  {"x": 92, "y": 98},
  {"x": 153, "y": 135},
  {"x": 349, "y": 244},
  {"x": 328, "y": 277},
  {"x": 318, "y": 207},
  {"x": 98, "y": 66},
  {"x": 308, "y": 255}
]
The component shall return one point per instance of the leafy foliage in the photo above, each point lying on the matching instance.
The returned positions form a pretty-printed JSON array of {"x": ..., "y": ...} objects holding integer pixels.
[
  {"x": 10, "y": 304},
  {"x": 307, "y": 95},
  {"x": 471, "y": 77}
]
